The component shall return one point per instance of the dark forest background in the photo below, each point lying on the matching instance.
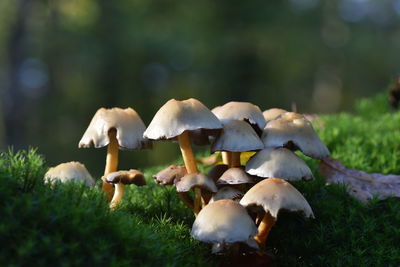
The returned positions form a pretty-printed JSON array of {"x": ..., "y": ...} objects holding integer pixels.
[{"x": 61, "y": 60}]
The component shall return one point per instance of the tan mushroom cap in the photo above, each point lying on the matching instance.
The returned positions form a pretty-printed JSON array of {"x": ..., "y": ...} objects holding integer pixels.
[
  {"x": 272, "y": 113},
  {"x": 293, "y": 127},
  {"x": 240, "y": 111},
  {"x": 237, "y": 136},
  {"x": 274, "y": 194},
  {"x": 227, "y": 192},
  {"x": 278, "y": 162},
  {"x": 69, "y": 172},
  {"x": 235, "y": 176},
  {"x": 175, "y": 117},
  {"x": 128, "y": 124},
  {"x": 170, "y": 175},
  {"x": 216, "y": 172},
  {"x": 126, "y": 177},
  {"x": 196, "y": 180},
  {"x": 223, "y": 221}
]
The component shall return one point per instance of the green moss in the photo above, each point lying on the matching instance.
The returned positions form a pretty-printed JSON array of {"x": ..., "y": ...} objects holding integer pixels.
[{"x": 72, "y": 225}]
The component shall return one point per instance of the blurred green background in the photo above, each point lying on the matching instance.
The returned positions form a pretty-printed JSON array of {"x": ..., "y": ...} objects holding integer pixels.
[{"x": 61, "y": 60}]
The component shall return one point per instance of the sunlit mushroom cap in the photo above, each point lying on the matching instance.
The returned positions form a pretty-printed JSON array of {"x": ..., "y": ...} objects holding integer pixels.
[
  {"x": 240, "y": 111},
  {"x": 196, "y": 180},
  {"x": 69, "y": 172},
  {"x": 227, "y": 192},
  {"x": 235, "y": 176},
  {"x": 217, "y": 171},
  {"x": 278, "y": 162},
  {"x": 175, "y": 117},
  {"x": 237, "y": 136},
  {"x": 272, "y": 113},
  {"x": 223, "y": 221},
  {"x": 274, "y": 194},
  {"x": 293, "y": 128},
  {"x": 126, "y": 122},
  {"x": 126, "y": 177},
  {"x": 170, "y": 175}
]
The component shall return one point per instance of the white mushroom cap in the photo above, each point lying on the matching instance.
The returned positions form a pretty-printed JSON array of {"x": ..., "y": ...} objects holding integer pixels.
[
  {"x": 293, "y": 127},
  {"x": 274, "y": 194},
  {"x": 235, "y": 176},
  {"x": 126, "y": 122},
  {"x": 223, "y": 221},
  {"x": 227, "y": 192},
  {"x": 175, "y": 117},
  {"x": 237, "y": 136},
  {"x": 278, "y": 162},
  {"x": 193, "y": 180},
  {"x": 272, "y": 113},
  {"x": 240, "y": 111},
  {"x": 216, "y": 171},
  {"x": 69, "y": 172}
]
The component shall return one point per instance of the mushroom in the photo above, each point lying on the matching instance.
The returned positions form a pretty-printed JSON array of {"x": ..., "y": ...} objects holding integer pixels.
[
  {"x": 272, "y": 195},
  {"x": 175, "y": 119},
  {"x": 278, "y": 162},
  {"x": 224, "y": 222},
  {"x": 242, "y": 111},
  {"x": 69, "y": 172},
  {"x": 236, "y": 137},
  {"x": 272, "y": 113},
  {"x": 237, "y": 178},
  {"x": 227, "y": 192},
  {"x": 121, "y": 178},
  {"x": 293, "y": 131},
  {"x": 198, "y": 181},
  {"x": 115, "y": 128},
  {"x": 217, "y": 171},
  {"x": 170, "y": 175}
]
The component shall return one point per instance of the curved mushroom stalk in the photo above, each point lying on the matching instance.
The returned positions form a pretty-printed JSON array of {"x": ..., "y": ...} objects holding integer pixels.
[
  {"x": 111, "y": 162},
  {"x": 264, "y": 229},
  {"x": 120, "y": 179}
]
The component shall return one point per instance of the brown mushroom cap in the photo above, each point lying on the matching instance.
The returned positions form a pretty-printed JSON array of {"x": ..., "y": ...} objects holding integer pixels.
[
  {"x": 237, "y": 136},
  {"x": 217, "y": 171},
  {"x": 240, "y": 111},
  {"x": 274, "y": 194},
  {"x": 128, "y": 124},
  {"x": 223, "y": 221},
  {"x": 278, "y": 162},
  {"x": 227, "y": 192},
  {"x": 235, "y": 176},
  {"x": 69, "y": 172},
  {"x": 196, "y": 180},
  {"x": 175, "y": 117},
  {"x": 126, "y": 177},
  {"x": 170, "y": 175},
  {"x": 293, "y": 128},
  {"x": 272, "y": 113}
]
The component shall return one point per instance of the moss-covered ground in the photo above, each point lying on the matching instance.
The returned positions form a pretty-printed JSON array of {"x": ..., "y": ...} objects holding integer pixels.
[{"x": 70, "y": 225}]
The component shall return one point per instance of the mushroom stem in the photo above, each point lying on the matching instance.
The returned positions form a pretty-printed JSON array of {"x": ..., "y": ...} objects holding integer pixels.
[
  {"x": 118, "y": 193},
  {"x": 225, "y": 157},
  {"x": 235, "y": 159},
  {"x": 264, "y": 228},
  {"x": 190, "y": 164},
  {"x": 111, "y": 162},
  {"x": 186, "y": 200}
]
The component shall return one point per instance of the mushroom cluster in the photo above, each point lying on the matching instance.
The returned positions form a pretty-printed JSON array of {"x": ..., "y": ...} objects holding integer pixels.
[{"x": 235, "y": 202}]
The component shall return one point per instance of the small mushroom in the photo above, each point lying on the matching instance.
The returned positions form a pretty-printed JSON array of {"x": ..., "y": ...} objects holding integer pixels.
[
  {"x": 120, "y": 179},
  {"x": 235, "y": 176},
  {"x": 236, "y": 137},
  {"x": 272, "y": 195},
  {"x": 278, "y": 162},
  {"x": 175, "y": 119},
  {"x": 227, "y": 192},
  {"x": 115, "y": 128},
  {"x": 198, "y": 181},
  {"x": 217, "y": 171},
  {"x": 293, "y": 131},
  {"x": 272, "y": 113},
  {"x": 170, "y": 175},
  {"x": 69, "y": 172},
  {"x": 224, "y": 222}
]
